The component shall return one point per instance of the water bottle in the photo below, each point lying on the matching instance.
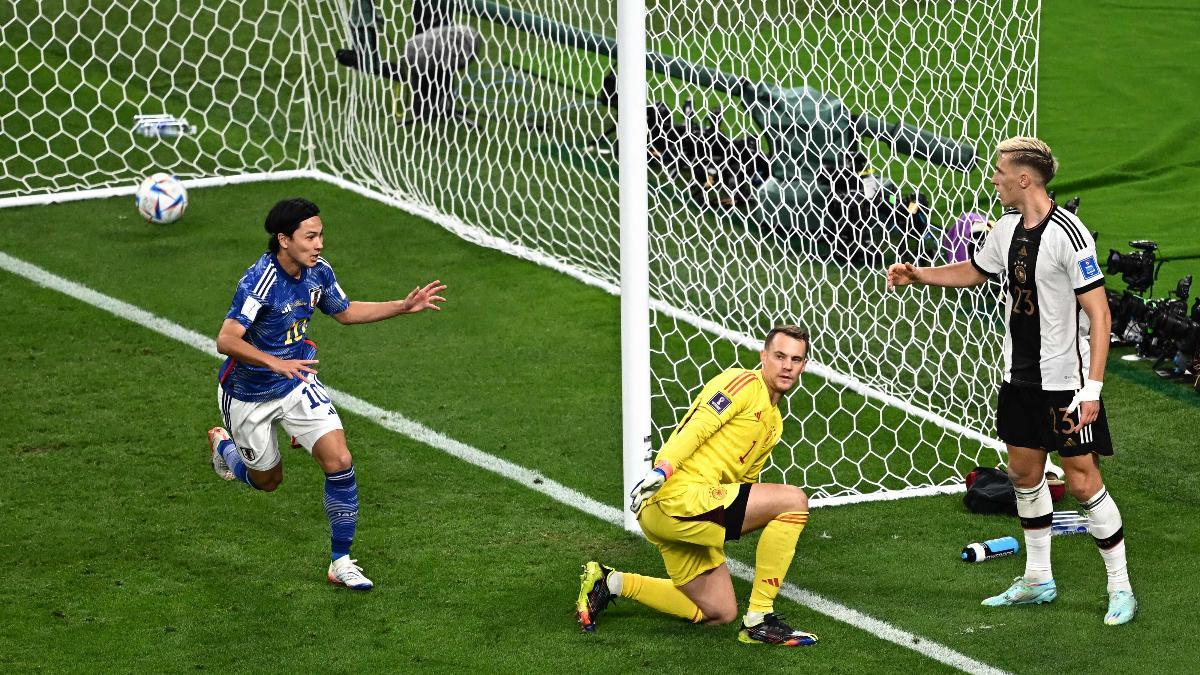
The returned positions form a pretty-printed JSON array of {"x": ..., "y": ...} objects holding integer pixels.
[
  {"x": 161, "y": 126},
  {"x": 992, "y": 548},
  {"x": 1068, "y": 522}
]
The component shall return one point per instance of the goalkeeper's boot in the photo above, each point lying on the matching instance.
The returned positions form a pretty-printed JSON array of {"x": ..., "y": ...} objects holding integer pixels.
[
  {"x": 594, "y": 595},
  {"x": 1024, "y": 592},
  {"x": 773, "y": 631},
  {"x": 1121, "y": 608},
  {"x": 343, "y": 572},
  {"x": 216, "y": 436}
]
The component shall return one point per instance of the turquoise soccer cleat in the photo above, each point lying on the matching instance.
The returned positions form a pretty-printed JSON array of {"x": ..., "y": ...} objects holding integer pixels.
[
  {"x": 1024, "y": 592},
  {"x": 1121, "y": 608}
]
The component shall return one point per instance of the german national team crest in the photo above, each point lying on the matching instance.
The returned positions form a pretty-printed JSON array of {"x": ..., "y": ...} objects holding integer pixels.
[
  {"x": 314, "y": 296},
  {"x": 1019, "y": 273}
]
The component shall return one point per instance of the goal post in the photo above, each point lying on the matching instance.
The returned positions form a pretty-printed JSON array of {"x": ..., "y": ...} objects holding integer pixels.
[{"x": 636, "y": 421}]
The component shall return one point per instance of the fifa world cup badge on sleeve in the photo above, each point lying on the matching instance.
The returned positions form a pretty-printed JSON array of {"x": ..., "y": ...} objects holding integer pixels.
[
  {"x": 719, "y": 402},
  {"x": 1089, "y": 267}
]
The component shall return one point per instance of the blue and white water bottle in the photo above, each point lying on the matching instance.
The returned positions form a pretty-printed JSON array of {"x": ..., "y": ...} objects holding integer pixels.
[{"x": 992, "y": 548}]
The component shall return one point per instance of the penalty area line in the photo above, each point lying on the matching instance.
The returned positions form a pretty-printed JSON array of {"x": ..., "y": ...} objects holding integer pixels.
[{"x": 527, "y": 478}]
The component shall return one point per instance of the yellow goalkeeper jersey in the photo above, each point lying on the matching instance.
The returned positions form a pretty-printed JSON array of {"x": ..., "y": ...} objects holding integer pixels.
[{"x": 726, "y": 436}]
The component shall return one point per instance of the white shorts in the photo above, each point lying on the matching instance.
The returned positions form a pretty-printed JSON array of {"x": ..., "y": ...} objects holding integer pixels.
[{"x": 306, "y": 413}]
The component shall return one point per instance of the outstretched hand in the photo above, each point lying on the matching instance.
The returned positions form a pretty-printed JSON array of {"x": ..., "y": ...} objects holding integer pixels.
[
  {"x": 294, "y": 368},
  {"x": 424, "y": 298},
  {"x": 901, "y": 274}
]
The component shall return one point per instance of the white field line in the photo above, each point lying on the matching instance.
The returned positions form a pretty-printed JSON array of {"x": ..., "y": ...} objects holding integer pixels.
[
  {"x": 478, "y": 236},
  {"x": 526, "y": 477}
]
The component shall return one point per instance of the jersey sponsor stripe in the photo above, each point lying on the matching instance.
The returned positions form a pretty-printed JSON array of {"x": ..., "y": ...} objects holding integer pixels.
[
  {"x": 225, "y": 403},
  {"x": 264, "y": 284},
  {"x": 1077, "y": 240},
  {"x": 734, "y": 382},
  {"x": 226, "y": 369},
  {"x": 738, "y": 384}
]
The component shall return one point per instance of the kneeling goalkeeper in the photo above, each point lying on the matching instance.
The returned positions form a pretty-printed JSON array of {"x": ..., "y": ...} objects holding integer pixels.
[{"x": 702, "y": 493}]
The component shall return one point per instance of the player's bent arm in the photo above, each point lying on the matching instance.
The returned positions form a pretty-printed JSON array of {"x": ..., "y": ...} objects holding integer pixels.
[
  {"x": 1087, "y": 399},
  {"x": 230, "y": 342},
  {"x": 956, "y": 275},
  {"x": 699, "y": 425}
]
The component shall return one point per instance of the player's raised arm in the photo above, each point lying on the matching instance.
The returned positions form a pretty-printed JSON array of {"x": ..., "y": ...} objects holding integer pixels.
[
  {"x": 418, "y": 300},
  {"x": 957, "y": 275}
]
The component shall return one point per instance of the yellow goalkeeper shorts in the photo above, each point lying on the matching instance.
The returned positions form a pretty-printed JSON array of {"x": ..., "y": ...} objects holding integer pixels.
[{"x": 690, "y": 527}]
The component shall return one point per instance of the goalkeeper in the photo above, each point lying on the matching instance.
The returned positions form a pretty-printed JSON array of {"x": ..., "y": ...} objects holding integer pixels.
[{"x": 702, "y": 493}]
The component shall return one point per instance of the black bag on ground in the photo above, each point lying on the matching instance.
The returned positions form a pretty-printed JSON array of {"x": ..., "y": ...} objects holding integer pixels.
[{"x": 992, "y": 492}]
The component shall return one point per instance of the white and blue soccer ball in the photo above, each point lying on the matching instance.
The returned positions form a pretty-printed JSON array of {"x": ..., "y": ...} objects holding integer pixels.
[{"x": 161, "y": 198}]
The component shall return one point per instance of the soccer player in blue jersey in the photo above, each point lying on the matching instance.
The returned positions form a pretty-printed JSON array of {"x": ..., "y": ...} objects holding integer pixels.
[{"x": 270, "y": 377}]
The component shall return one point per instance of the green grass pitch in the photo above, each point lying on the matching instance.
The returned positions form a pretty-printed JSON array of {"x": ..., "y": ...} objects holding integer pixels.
[{"x": 122, "y": 552}]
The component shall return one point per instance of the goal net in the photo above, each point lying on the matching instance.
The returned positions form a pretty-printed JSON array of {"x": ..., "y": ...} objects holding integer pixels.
[{"x": 794, "y": 150}]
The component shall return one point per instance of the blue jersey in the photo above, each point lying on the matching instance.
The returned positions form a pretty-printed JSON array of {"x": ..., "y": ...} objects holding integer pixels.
[{"x": 275, "y": 308}]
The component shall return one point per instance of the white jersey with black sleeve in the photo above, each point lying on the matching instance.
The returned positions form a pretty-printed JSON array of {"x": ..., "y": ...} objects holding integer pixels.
[{"x": 1043, "y": 269}]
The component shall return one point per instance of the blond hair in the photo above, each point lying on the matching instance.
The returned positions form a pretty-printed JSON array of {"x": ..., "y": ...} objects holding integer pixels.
[{"x": 1032, "y": 153}]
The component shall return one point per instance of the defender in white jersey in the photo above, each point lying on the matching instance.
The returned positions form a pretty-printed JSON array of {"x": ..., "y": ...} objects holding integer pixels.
[
  {"x": 269, "y": 379},
  {"x": 1055, "y": 347}
]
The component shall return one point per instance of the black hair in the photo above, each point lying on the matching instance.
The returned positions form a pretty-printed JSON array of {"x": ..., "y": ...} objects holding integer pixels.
[{"x": 285, "y": 217}]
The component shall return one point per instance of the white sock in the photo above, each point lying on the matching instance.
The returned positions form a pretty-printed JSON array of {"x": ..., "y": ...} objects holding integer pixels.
[
  {"x": 1034, "y": 504},
  {"x": 614, "y": 582},
  {"x": 1118, "y": 570},
  {"x": 1104, "y": 524},
  {"x": 1037, "y": 555},
  {"x": 754, "y": 618}
]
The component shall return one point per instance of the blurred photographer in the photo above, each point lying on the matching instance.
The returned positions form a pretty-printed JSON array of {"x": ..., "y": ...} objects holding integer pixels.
[{"x": 433, "y": 57}]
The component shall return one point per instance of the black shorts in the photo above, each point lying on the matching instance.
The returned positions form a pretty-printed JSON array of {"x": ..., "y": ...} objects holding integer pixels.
[{"x": 1031, "y": 417}]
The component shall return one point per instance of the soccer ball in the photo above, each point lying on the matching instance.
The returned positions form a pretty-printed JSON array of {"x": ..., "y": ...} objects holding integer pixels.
[{"x": 161, "y": 198}]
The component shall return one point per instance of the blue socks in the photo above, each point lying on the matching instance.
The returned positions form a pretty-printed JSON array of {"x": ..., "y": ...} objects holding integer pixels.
[
  {"x": 233, "y": 459},
  {"x": 341, "y": 499},
  {"x": 341, "y": 505}
]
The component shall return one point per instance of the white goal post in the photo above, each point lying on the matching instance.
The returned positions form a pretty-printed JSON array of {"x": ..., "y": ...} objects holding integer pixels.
[{"x": 792, "y": 150}]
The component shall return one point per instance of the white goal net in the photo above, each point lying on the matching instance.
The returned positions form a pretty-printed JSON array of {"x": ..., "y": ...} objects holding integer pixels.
[{"x": 794, "y": 150}]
